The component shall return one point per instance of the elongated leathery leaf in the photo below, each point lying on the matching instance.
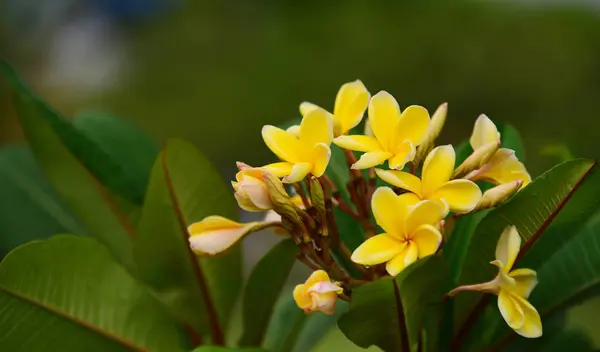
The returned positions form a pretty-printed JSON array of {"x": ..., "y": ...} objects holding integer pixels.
[
  {"x": 67, "y": 294},
  {"x": 185, "y": 188}
]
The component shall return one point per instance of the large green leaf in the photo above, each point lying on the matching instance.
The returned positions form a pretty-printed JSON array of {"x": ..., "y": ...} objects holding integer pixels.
[
  {"x": 391, "y": 312},
  {"x": 226, "y": 349},
  {"x": 317, "y": 326},
  {"x": 27, "y": 195},
  {"x": 263, "y": 288},
  {"x": 185, "y": 188},
  {"x": 531, "y": 211},
  {"x": 67, "y": 294},
  {"x": 86, "y": 196}
]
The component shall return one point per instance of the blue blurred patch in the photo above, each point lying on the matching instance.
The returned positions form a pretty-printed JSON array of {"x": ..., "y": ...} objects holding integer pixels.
[{"x": 135, "y": 9}]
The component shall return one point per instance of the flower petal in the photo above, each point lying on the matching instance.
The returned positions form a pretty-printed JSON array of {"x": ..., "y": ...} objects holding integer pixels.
[
  {"x": 409, "y": 199},
  {"x": 316, "y": 128},
  {"x": 404, "y": 153},
  {"x": 320, "y": 157},
  {"x": 402, "y": 260},
  {"x": 306, "y": 107},
  {"x": 294, "y": 130},
  {"x": 358, "y": 143},
  {"x": 301, "y": 297},
  {"x": 461, "y": 195},
  {"x": 484, "y": 132},
  {"x": 350, "y": 105},
  {"x": 384, "y": 115},
  {"x": 282, "y": 143},
  {"x": 508, "y": 247},
  {"x": 317, "y": 276},
  {"x": 218, "y": 240},
  {"x": 504, "y": 167},
  {"x": 280, "y": 169},
  {"x": 437, "y": 168},
  {"x": 324, "y": 303},
  {"x": 424, "y": 213},
  {"x": 245, "y": 203},
  {"x": 371, "y": 159},
  {"x": 256, "y": 190},
  {"x": 401, "y": 179},
  {"x": 389, "y": 211},
  {"x": 532, "y": 324},
  {"x": 325, "y": 287},
  {"x": 299, "y": 172},
  {"x": 427, "y": 238},
  {"x": 413, "y": 125},
  {"x": 377, "y": 249},
  {"x": 525, "y": 279},
  {"x": 211, "y": 223},
  {"x": 511, "y": 310}
]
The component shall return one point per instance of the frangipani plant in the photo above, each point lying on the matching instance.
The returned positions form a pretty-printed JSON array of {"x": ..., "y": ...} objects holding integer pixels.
[{"x": 389, "y": 237}]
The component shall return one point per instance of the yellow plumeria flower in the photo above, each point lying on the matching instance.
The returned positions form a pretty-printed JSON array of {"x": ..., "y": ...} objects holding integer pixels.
[
  {"x": 215, "y": 234},
  {"x": 251, "y": 191},
  {"x": 512, "y": 287},
  {"x": 504, "y": 166},
  {"x": 350, "y": 105},
  {"x": 411, "y": 232},
  {"x": 460, "y": 196},
  {"x": 396, "y": 135},
  {"x": 317, "y": 294},
  {"x": 307, "y": 152}
]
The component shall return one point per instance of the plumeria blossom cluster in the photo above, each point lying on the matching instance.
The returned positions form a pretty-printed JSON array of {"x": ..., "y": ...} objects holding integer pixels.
[{"x": 422, "y": 188}]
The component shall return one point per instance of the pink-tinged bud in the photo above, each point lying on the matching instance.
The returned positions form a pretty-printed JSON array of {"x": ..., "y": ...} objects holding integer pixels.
[
  {"x": 250, "y": 189},
  {"x": 497, "y": 195},
  {"x": 317, "y": 294},
  {"x": 477, "y": 159}
]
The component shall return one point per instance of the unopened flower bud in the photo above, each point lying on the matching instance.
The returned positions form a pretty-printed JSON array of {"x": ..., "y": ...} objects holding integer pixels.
[
  {"x": 477, "y": 159},
  {"x": 435, "y": 128},
  {"x": 282, "y": 203},
  {"x": 317, "y": 294},
  {"x": 251, "y": 190},
  {"x": 498, "y": 194}
]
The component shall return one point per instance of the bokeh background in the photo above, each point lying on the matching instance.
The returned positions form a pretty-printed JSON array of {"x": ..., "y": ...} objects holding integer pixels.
[{"x": 213, "y": 72}]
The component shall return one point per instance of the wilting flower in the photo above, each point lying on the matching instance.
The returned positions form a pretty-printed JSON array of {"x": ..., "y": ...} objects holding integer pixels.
[
  {"x": 460, "y": 196},
  {"x": 215, "y": 234},
  {"x": 411, "y": 232},
  {"x": 512, "y": 287},
  {"x": 504, "y": 166},
  {"x": 350, "y": 105},
  {"x": 307, "y": 152},
  {"x": 250, "y": 190},
  {"x": 317, "y": 294},
  {"x": 396, "y": 135}
]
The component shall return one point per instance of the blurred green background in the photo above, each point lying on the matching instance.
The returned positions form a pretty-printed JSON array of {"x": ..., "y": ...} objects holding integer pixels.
[{"x": 213, "y": 72}]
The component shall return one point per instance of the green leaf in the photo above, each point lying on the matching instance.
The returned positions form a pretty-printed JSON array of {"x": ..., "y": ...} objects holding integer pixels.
[
  {"x": 462, "y": 150},
  {"x": 285, "y": 325},
  {"x": 67, "y": 294},
  {"x": 316, "y": 326},
  {"x": 511, "y": 139},
  {"x": 226, "y": 349},
  {"x": 27, "y": 195},
  {"x": 390, "y": 312},
  {"x": 531, "y": 211},
  {"x": 80, "y": 190},
  {"x": 263, "y": 287},
  {"x": 184, "y": 188}
]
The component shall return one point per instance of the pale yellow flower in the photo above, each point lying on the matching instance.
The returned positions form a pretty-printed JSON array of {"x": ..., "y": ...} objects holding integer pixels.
[
  {"x": 317, "y": 294},
  {"x": 215, "y": 234},
  {"x": 251, "y": 191}
]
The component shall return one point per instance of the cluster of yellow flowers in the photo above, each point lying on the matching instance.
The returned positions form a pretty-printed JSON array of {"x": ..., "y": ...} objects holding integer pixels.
[{"x": 411, "y": 213}]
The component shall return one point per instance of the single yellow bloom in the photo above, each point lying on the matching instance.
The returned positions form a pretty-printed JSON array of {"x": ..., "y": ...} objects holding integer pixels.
[
  {"x": 459, "y": 196},
  {"x": 215, "y": 234},
  {"x": 396, "y": 135},
  {"x": 504, "y": 166},
  {"x": 512, "y": 287},
  {"x": 251, "y": 191},
  {"x": 411, "y": 231},
  {"x": 307, "y": 152},
  {"x": 317, "y": 294},
  {"x": 350, "y": 105}
]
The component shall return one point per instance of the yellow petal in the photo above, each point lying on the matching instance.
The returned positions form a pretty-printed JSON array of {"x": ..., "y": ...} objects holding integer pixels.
[
  {"x": 377, "y": 249},
  {"x": 324, "y": 303},
  {"x": 280, "y": 169},
  {"x": 525, "y": 281},
  {"x": 294, "y": 130},
  {"x": 306, "y": 107},
  {"x": 427, "y": 238},
  {"x": 413, "y": 125},
  {"x": 256, "y": 190},
  {"x": 358, "y": 143},
  {"x": 409, "y": 199},
  {"x": 402, "y": 260},
  {"x": 532, "y": 324},
  {"x": 371, "y": 159},
  {"x": 384, "y": 114},
  {"x": 299, "y": 172},
  {"x": 301, "y": 297},
  {"x": 484, "y": 132},
  {"x": 437, "y": 168},
  {"x": 424, "y": 213},
  {"x": 211, "y": 223},
  {"x": 401, "y": 179},
  {"x": 316, "y": 128},
  {"x": 208, "y": 238},
  {"x": 504, "y": 167},
  {"x": 350, "y": 105},
  {"x": 461, "y": 195},
  {"x": 245, "y": 203},
  {"x": 511, "y": 310},
  {"x": 282, "y": 143},
  {"x": 508, "y": 247},
  {"x": 389, "y": 211},
  {"x": 317, "y": 276},
  {"x": 320, "y": 157},
  {"x": 403, "y": 154}
]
